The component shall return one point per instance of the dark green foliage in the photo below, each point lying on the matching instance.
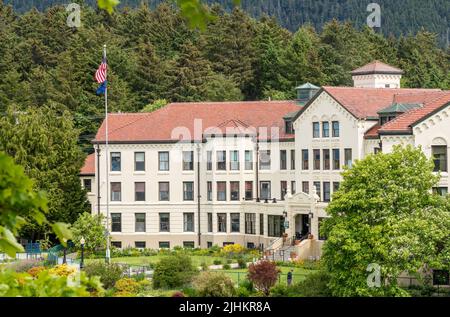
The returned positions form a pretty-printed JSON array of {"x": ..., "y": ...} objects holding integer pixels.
[
  {"x": 314, "y": 285},
  {"x": 173, "y": 271},
  {"x": 109, "y": 273}
]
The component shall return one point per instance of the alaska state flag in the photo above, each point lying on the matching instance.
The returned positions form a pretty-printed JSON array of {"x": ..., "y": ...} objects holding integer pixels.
[{"x": 101, "y": 89}]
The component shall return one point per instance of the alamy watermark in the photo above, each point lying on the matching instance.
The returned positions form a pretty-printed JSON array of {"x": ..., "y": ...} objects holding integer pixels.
[
  {"x": 374, "y": 18},
  {"x": 74, "y": 17},
  {"x": 374, "y": 277}
]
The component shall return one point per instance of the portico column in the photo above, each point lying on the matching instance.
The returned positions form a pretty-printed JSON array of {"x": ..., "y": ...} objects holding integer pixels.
[
  {"x": 290, "y": 217},
  {"x": 314, "y": 221}
]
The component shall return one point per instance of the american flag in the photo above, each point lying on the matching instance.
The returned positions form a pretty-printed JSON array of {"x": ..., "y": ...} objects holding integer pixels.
[{"x": 100, "y": 74}]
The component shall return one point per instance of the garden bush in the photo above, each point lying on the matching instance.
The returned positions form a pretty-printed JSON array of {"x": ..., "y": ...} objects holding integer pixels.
[
  {"x": 214, "y": 284},
  {"x": 233, "y": 249},
  {"x": 173, "y": 271},
  {"x": 264, "y": 275},
  {"x": 46, "y": 284},
  {"x": 62, "y": 270},
  {"x": 314, "y": 285},
  {"x": 126, "y": 287},
  {"x": 242, "y": 263},
  {"x": 217, "y": 262},
  {"x": 34, "y": 271},
  {"x": 226, "y": 266},
  {"x": 109, "y": 273}
]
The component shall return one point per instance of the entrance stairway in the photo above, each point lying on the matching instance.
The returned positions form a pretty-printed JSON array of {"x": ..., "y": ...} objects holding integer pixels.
[{"x": 279, "y": 250}]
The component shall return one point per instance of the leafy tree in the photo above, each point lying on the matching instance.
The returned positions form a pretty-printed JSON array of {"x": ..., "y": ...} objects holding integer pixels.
[
  {"x": 44, "y": 142},
  {"x": 19, "y": 202},
  {"x": 155, "y": 106},
  {"x": 390, "y": 219},
  {"x": 221, "y": 88},
  {"x": 263, "y": 275},
  {"x": 92, "y": 229}
]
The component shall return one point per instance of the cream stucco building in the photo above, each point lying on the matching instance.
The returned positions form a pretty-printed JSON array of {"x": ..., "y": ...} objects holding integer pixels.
[{"x": 203, "y": 174}]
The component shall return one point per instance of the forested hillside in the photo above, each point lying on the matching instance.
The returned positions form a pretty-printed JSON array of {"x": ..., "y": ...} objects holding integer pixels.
[
  {"x": 154, "y": 55},
  {"x": 398, "y": 16}
]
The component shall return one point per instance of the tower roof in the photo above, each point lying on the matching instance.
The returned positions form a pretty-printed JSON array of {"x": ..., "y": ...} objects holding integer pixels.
[{"x": 377, "y": 67}]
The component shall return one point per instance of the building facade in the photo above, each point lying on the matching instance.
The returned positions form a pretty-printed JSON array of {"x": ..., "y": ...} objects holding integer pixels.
[{"x": 203, "y": 174}]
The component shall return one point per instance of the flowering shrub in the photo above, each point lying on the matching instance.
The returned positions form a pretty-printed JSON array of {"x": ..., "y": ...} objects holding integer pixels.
[
  {"x": 214, "y": 284},
  {"x": 34, "y": 271},
  {"x": 45, "y": 284},
  {"x": 232, "y": 249},
  {"x": 62, "y": 270},
  {"x": 128, "y": 285}
]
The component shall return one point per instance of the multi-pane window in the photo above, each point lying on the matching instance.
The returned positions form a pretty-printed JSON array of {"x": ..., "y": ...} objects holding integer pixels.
[
  {"x": 221, "y": 191},
  {"x": 234, "y": 191},
  {"x": 116, "y": 222},
  {"x": 316, "y": 130},
  {"x": 209, "y": 191},
  {"x": 115, "y": 162},
  {"x": 248, "y": 190},
  {"x": 336, "y": 186},
  {"x": 234, "y": 161},
  {"x": 164, "y": 245},
  {"x": 305, "y": 187},
  {"x": 116, "y": 191},
  {"x": 248, "y": 160},
  {"x": 222, "y": 222},
  {"x": 188, "y": 244},
  {"x": 325, "y": 129},
  {"x": 221, "y": 160},
  {"x": 235, "y": 219},
  {"x": 274, "y": 226},
  {"x": 139, "y": 222},
  {"x": 210, "y": 222},
  {"x": 316, "y": 155},
  {"x": 293, "y": 187},
  {"x": 261, "y": 224},
  {"x": 305, "y": 159},
  {"x": 335, "y": 127},
  {"x": 188, "y": 160},
  {"x": 441, "y": 191},
  {"x": 292, "y": 159},
  {"x": 139, "y": 244},
  {"x": 317, "y": 186},
  {"x": 264, "y": 160},
  {"x": 188, "y": 191},
  {"x": 348, "y": 158},
  {"x": 116, "y": 244},
  {"x": 439, "y": 153},
  {"x": 139, "y": 191},
  {"x": 265, "y": 190},
  {"x": 139, "y": 161},
  {"x": 283, "y": 159},
  {"x": 188, "y": 222},
  {"x": 87, "y": 184},
  {"x": 209, "y": 160},
  {"x": 283, "y": 189},
  {"x": 163, "y": 158},
  {"x": 326, "y": 159},
  {"x": 164, "y": 222},
  {"x": 336, "y": 159},
  {"x": 250, "y": 223},
  {"x": 326, "y": 191},
  {"x": 164, "y": 191}
]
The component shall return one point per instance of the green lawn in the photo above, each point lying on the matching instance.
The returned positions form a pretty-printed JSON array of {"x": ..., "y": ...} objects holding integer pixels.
[
  {"x": 299, "y": 274},
  {"x": 197, "y": 260}
]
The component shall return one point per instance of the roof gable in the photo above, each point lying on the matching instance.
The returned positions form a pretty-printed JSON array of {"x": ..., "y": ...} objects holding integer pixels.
[{"x": 377, "y": 67}]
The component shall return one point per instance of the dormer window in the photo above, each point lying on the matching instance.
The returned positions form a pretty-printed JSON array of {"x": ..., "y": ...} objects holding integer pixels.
[{"x": 289, "y": 127}]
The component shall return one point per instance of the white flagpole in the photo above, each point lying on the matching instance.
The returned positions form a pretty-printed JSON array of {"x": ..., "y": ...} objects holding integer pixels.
[{"x": 108, "y": 242}]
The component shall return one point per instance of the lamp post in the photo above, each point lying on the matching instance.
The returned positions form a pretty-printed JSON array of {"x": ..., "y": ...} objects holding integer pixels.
[
  {"x": 310, "y": 216},
  {"x": 82, "y": 241}
]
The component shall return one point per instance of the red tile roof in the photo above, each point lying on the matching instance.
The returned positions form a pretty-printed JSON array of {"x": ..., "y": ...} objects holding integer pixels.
[
  {"x": 166, "y": 124},
  {"x": 377, "y": 67},
  {"x": 372, "y": 133},
  {"x": 406, "y": 121},
  {"x": 89, "y": 165},
  {"x": 365, "y": 103}
]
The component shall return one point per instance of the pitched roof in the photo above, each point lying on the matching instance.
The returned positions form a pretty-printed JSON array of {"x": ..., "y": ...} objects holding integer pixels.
[
  {"x": 192, "y": 120},
  {"x": 405, "y": 122},
  {"x": 307, "y": 86},
  {"x": 399, "y": 108},
  {"x": 89, "y": 165},
  {"x": 365, "y": 103},
  {"x": 372, "y": 133},
  {"x": 377, "y": 67}
]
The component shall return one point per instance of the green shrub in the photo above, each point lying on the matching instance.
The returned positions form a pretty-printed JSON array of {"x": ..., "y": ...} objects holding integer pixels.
[
  {"x": 314, "y": 285},
  {"x": 226, "y": 266},
  {"x": 214, "y": 284},
  {"x": 281, "y": 290},
  {"x": 217, "y": 262},
  {"x": 109, "y": 273},
  {"x": 173, "y": 271},
  {"x": 242, "y": 263},
  {"x": 204, "y": 266}
]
